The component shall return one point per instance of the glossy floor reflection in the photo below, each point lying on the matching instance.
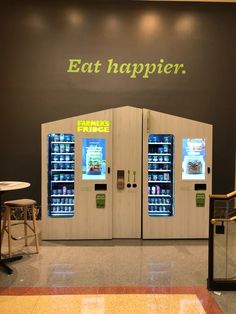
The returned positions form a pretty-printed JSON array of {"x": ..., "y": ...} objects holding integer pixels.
[
  {"x": 136, "y": 263},
  {"x": 110, "y": 263}
]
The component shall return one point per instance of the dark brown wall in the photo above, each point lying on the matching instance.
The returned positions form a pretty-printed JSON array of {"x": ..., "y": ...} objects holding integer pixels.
[{"x": 37, "y": 41}]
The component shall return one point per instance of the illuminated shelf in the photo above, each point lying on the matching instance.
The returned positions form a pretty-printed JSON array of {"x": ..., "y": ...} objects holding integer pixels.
[
  {"x": 62, "y": 195},
  {"x": 62, "y": 142},
  {"x": 159, "y": 204},
  {"x": 160, "y": 143},
  {"x": 159, "y": 181},
  {"x": 62, "y": 153},
  {"x": 159, "y": 162},
  {"x": 156, "y": 213},
  {"x": 53, "y": 170},
  {"x": 61, "y": 214},
  {"x": 64, "y": 181},
  {"x": 159, "y": 154},
  {"x": 59, "y": 204},
  {"x": 159, "y": 195},
  {"x": 62, "y": 162},
  {"x": 159, "y": 170}
]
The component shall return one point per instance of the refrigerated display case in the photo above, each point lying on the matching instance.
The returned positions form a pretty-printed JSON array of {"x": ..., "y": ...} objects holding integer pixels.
[
  {"x": 160, "y": 175},
  {"x": 61, "y": 175}
]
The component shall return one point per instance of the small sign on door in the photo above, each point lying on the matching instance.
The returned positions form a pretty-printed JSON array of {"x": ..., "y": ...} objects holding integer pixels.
[
  {"x": 100, "y": 200},
  {"x": 200, "y": 199}
]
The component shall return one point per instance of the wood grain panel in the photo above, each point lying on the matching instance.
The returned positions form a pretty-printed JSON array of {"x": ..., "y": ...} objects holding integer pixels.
[{"x": 127, "y": 154}]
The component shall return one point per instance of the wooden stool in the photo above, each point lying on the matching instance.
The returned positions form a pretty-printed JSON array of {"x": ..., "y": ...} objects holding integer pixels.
[{"x": 26, "y": 206}]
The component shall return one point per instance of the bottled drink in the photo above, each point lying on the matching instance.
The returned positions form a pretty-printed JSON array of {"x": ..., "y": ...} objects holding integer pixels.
[
  {"x": 64, "y": 190},
  {"x": 56, "y": 148},
  {"x": 67, "y": 148},
  {"x": 62, "y": 148}
]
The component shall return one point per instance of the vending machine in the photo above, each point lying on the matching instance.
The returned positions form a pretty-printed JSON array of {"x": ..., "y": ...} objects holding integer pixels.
[
  {"x": 76, "y": 177},
  {"x": 125, "y": 173},
  {"x": 177, "y": 173}
]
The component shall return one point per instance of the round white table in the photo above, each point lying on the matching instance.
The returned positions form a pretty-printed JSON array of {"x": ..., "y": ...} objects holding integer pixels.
[{"x": 4, "y": 187}]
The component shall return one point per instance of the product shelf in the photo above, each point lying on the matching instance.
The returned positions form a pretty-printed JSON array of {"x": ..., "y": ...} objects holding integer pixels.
[
  {"x": 64, "y": 181},
  {"x": 59, "y": 204},
  {"x": 62, "y": 170},
  {"x": 62, "y": 153},
  {"x": 159, "y": 154},
  {"x": 159, "y": 195},
  {"x": 159, "y": 170},
  {"x": 156, "y": 213},
  {"x": 159, "y": 204},
  {"x": 66, "y": 214},
  {"x": 159, "y": 162},
  {"x": 159, "y": 143},
  {"x": 62, "y": 142},
  {"x": 62, "y": 195},
  {"x": 63, "y": 162},
  {"x": 159, "y": 181}
]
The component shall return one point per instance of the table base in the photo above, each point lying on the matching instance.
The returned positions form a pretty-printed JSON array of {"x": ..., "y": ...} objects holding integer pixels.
[{"x": 5, "y": 261}]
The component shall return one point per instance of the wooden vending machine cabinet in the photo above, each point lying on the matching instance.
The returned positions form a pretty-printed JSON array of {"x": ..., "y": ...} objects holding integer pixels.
[
  {"x": 125, "y": 173},
  {"x": 177, "y": 162},
  {"x": 76, "y": 178}
]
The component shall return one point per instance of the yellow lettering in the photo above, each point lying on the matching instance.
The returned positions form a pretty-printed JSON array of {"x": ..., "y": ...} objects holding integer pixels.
[
  {"x": 87, "y": 67},
  {"x": 168, "y": 68},
  {"x": 177, "y": 67},
  {"x": 73, "y": 66}
]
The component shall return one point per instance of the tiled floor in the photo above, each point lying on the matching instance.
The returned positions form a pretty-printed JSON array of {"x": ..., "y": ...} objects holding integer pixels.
[
  {"x": 134, "y": 270},
  {"x": 101, "y": 304},
  {"x": 112, "y": 300}
]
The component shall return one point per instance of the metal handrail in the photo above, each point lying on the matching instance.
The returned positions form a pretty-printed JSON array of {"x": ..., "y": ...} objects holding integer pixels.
[
  {"x": 223, "y": 196},
  {"x": 215, "y": 220}
]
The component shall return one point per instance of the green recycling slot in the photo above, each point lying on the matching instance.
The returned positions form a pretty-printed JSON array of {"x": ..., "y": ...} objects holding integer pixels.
[{"x": 100, "y": 200}]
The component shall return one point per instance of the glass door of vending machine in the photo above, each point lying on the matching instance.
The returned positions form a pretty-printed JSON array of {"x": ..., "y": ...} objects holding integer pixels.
[
  {"x": 160, "y": 175},
  {"x": 61, "y": 159}
]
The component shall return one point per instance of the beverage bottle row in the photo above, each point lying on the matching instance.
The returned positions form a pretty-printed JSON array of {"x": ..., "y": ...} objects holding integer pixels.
[
  {"x": 62, "y": 137},
  {"x": 164, "y": 149},
  {"x": 63, "y": 158},
  {"x": 62, "y": 148},
  {"x": 160, "y": 158},
  {"x": 158, "y": 167},
  {"x": 63, "y": 166},
  {"x": 63, "y": 177},
  {"x": 159, "y": 200},
  {"x": 157, "y": 190},
  {"x": 62, "y": 200},
  {"x": 153, "y": 138},
  {"x": 63, "y": 191},
  {"x": 159, "y": 208},
  {"x": 58, "y": 208},
  {"x": 159, "y": 177}
]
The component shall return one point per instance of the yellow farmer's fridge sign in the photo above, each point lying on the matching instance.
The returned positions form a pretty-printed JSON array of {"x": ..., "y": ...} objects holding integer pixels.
[{"x": 93, "y": 126}]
